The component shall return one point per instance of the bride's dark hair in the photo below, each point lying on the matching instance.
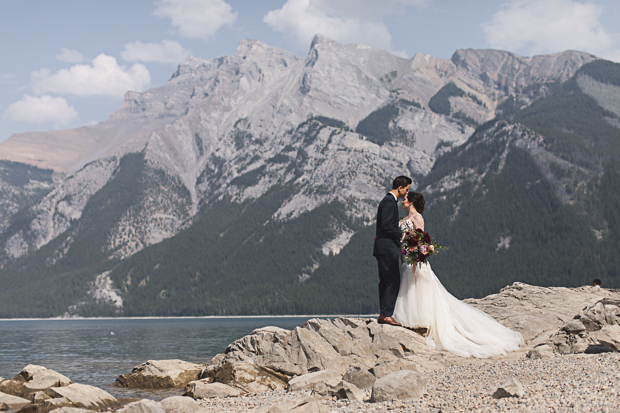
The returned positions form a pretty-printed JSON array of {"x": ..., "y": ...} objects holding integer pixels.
[{"x": 417, "y": 200}]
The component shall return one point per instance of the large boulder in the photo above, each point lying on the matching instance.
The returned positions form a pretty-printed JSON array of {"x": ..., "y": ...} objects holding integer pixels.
[
  {"x": 339, "y": 390},
  {"x": 307, "y": 381},
  {"x": 609, "y": 337},
  {"x": 533, "y": 310},
  {"x": 85, "y": 396},
  {"x": 31, "y": 380},
  {"x": 160, "y": 374},
  {"x": 143, "y": 406},
  {"x": 202, "y": 390},
  {"x": 594, "y": 329},
  {"x": 180, "y": 404},
  {"x": 13, "y": 402},
  {"x": 401, "y": 385},
  {"x": 360, "y": 377},
  {"x": 249, "y": 377}
]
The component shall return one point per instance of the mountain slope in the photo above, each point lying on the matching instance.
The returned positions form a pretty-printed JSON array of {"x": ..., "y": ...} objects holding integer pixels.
[
  {"x": 248, "y": 183},
  {"x": 532, "y": 199}
]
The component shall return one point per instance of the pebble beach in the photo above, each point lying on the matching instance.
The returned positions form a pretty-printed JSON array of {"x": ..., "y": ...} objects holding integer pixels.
[{"x": 561, "y": 383}]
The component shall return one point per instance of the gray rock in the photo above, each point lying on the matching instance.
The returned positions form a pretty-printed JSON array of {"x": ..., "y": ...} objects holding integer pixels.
[
  {"x": 307, "y": 405},
  {"x": 532, "y": 310},
  {"x": 32, "y": 379},
  {"x": 71, "y": 410},
  {"x": 540, "y": 352},
  {"x": 338, "y": 389},
  {"x": 574, "y": 327},
  {"x": 361, "y": 378},
  {"x": 13, "y": 402},
  {"x": 511, "y": 388},
  {"x": 385, "y": 368},
  {"x": 401, "y": 385},
  {"x": 320, "y": 354},
  {"x": 40, "y": 397},
  {"x": 180, "y": 404},
  {"x": 307, "y": 381},
  {"x": 609, "y": 337},
  {"x": 250, "y": 377},
  {"x": 85, "y": 396},
  {"x": 201, "y": 390},
  {"x": 143, "y": 406},
  {"x": 591, "y": 331},
  {"x": 160, "y": 374}
]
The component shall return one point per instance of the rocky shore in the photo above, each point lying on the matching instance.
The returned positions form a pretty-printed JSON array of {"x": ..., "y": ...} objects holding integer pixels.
[{"x": 570, "y": 362}]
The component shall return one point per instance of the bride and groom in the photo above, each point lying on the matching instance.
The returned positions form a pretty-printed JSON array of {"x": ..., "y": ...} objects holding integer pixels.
[{"x": 412, "y": 295}]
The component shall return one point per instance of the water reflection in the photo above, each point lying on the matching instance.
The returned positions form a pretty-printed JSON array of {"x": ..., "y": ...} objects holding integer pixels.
[{"x": 95, "y": 352}]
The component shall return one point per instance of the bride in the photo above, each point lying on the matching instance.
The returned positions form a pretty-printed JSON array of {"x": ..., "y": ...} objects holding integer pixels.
[{"x": 452, "y": 325}]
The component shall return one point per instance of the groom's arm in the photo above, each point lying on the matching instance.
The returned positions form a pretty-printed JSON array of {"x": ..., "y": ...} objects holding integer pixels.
[{"x": 389, "y": 221}]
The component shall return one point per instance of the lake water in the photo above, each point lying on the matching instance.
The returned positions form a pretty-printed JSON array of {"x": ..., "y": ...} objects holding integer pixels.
[{"x": 96, "y": 351}]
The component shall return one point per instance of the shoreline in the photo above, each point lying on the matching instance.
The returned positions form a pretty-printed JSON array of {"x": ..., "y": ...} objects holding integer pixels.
[{"x": 212, "y": 317}]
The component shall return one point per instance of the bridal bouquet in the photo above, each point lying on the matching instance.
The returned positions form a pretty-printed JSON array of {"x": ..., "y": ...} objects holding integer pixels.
[{"x": 418, "y": 246}]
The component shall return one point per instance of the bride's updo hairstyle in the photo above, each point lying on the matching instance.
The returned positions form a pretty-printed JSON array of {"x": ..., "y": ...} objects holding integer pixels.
[{"x": 417, "y": 200}]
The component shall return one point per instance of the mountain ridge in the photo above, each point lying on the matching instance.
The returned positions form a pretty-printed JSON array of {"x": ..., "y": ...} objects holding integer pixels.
[{"x": 303, "y": 145}]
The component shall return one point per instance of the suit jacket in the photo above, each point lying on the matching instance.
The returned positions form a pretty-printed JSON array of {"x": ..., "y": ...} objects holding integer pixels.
[{"x": 388, "y": 233}]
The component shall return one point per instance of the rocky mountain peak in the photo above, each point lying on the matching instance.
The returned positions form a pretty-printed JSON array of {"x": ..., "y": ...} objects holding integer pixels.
[{"x": 192, "y": 65}]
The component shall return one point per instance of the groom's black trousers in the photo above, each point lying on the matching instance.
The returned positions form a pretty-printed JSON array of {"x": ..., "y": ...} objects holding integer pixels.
[{"x": 389, "y": 283}]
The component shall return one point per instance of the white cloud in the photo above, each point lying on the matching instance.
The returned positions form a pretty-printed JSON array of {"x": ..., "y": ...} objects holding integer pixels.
[
  {"x": 196, "y": 18},
  {"x": 347, "y": 21},
  {"x": 70, "y": 56},
  {"x": 168, "y": 51},
  {"x": 548, "y": 26},
  {"x": 41, "y": 109},
  {"x": 103, "y": 78}
]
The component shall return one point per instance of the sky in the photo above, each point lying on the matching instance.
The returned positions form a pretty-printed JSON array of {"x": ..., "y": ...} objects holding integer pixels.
[{"x": 68, "y": 63}]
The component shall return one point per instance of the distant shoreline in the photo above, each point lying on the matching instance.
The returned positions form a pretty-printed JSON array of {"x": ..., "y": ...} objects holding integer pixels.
[{"x": 194, "y": 317}]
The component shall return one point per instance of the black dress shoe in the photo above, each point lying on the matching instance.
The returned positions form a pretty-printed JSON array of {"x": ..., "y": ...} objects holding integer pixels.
[{"x": 388, "y": 320}]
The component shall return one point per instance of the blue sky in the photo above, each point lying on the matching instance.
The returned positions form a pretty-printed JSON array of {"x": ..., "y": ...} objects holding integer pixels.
[{"x": 68, "y": 63}]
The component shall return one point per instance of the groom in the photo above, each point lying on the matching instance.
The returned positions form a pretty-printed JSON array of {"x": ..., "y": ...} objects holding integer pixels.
[{"x": 387, "y": 249}]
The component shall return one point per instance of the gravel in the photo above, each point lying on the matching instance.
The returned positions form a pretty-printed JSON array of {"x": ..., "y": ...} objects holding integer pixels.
[{"x": 569, "y": 383}]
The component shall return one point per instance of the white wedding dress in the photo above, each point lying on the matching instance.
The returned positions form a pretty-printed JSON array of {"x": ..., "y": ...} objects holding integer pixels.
[{"x": 452, "y": 325}]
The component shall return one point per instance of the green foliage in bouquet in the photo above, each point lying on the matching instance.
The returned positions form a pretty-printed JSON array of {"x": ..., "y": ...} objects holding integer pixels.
[{"x": 417, "y": 246}]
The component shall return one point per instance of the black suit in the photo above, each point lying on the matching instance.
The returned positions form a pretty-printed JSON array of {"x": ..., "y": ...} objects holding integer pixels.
[{"x": 387, "y": 252}]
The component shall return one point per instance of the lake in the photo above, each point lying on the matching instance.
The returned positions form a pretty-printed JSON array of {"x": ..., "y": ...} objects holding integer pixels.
[{"x": 96, "y": 351}]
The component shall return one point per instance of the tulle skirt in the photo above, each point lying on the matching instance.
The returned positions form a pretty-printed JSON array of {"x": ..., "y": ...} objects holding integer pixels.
[{"x": 452, "y": 325}]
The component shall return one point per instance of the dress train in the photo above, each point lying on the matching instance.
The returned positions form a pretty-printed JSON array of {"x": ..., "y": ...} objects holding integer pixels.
[{"x": 452, "y": 325}]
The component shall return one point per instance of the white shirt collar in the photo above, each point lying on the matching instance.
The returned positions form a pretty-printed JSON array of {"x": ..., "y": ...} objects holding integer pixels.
[{"x": 395, "y": 198}]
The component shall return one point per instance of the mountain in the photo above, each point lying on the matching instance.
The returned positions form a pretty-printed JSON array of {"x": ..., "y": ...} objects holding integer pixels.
[{"x": 248, "y": 183}]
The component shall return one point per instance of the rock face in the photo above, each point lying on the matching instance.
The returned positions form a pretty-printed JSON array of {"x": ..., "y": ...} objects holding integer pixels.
[
  {"x": 31, "y": 380},
  {"x": 323, "y": 350},
  {"x": 595, "y": 328},
  {"x": 361, "y": 378},
  {"x": 201, "y": 390},
  {"x": 401, "y": 385},
  {"x": 12, "y": 402},
  {"x": 307, "y": 381},
  {"x": 533, "y": 310},
  {"x": 160, "y": 374},
  {"x": 85, "y": 396},
  {"x": 339, "y": 389}
]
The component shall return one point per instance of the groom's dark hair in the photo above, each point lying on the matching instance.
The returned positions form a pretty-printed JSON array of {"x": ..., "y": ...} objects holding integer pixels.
[{"x": 401, "y": 181}]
